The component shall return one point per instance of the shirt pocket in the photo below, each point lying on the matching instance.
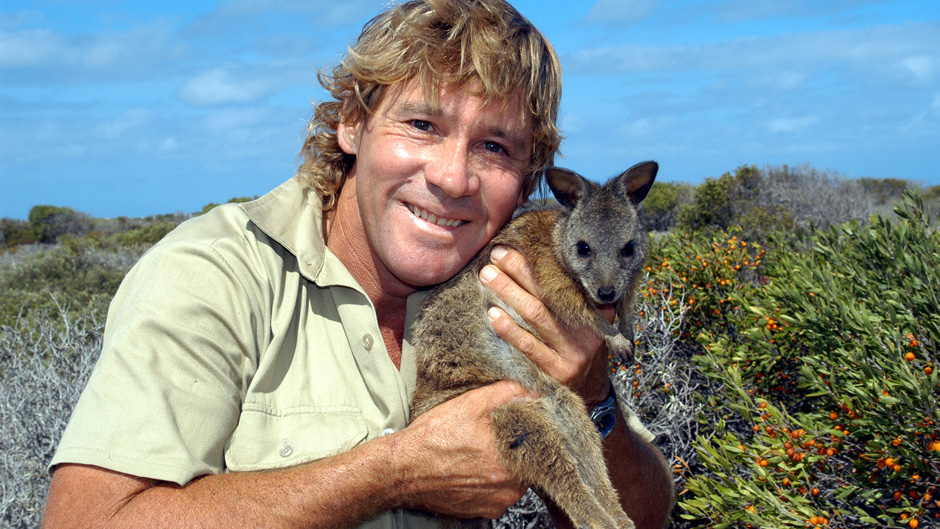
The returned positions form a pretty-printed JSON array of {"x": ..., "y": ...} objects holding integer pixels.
[{"x": 268, "y": 438}]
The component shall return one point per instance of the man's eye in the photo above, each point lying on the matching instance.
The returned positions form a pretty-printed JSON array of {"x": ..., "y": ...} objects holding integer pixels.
[
  {"x": 492, "y": 146},
  {"x": 420, "y": 124}
]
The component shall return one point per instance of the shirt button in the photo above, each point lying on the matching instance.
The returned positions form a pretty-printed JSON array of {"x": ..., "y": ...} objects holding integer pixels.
[
  {"x": 368, "y": 341},
  {"x": 388, "y": 431},
  {"x": 286, "y": 449}
]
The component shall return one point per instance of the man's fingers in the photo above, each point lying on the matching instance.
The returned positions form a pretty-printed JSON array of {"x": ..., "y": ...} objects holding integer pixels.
[{"x": 513, "y": 263}]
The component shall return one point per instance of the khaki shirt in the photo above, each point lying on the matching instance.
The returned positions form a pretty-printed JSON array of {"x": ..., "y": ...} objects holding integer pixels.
[{"x": 240, "y": 342}]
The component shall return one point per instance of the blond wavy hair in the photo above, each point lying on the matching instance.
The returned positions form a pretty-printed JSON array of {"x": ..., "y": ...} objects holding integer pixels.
[{"x": 483, "y": 46}]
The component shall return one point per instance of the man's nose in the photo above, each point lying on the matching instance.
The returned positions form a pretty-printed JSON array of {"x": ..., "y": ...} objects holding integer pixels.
[{"x": 451, "y": 170}]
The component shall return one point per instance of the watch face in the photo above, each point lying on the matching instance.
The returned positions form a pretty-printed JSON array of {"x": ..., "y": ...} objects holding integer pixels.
[
  {"x": 605, "y": 422},
  {"x": 604, "y": 418}
]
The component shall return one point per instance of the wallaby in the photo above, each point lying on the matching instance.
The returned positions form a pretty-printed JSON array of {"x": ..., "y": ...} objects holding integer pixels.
[{"x": 586, "y": 253}]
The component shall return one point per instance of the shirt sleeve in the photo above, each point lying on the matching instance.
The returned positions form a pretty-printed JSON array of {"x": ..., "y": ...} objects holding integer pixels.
[{"x": 179, "y": 349}]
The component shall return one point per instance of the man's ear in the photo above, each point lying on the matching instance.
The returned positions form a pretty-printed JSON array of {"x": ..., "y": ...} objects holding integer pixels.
[{"x": 347, "y": 134}]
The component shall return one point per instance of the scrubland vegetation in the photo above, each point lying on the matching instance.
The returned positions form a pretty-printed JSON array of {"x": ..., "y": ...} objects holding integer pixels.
[{"x": 788, "y": 347}]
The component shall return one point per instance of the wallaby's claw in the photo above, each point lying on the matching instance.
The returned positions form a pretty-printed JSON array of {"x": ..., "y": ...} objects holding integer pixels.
[{"x": 621, "y": 348}]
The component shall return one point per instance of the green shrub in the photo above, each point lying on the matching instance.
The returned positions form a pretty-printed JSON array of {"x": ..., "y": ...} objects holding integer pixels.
[
  {"x": 76, "y": 273},
  {"x": 212, "y": 205},
  {"x": 830, "y": 385},
  {"x": 48, "y": 223},
  {"x": 712, "y": 205},
  {"x": 15, "y": 232},
  {"x": 147, "y": 235},
  {"x": 660, "y": 209}
]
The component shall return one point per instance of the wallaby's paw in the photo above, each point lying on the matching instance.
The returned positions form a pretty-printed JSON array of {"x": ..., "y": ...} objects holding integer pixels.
[{"x": 621, "y": 348}]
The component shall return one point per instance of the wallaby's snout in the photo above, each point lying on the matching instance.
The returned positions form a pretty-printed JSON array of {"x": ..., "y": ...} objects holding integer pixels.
[{"x": 607, "y": 294}]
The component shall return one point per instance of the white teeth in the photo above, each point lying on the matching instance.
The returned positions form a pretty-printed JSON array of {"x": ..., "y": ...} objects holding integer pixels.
[{"x": 432, "y": 218}]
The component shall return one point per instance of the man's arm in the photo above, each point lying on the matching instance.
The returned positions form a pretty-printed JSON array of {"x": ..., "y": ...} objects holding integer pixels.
[
  {"x": 444, "y": 462},
  {"x": 578, "y": 359}
]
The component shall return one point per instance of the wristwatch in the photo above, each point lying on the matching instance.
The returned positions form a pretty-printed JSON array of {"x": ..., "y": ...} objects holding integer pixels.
[{"x": 604, "y": 414}]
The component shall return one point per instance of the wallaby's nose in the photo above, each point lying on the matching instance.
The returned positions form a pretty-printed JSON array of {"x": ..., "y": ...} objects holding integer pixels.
[{"x": 606, "y": 294}]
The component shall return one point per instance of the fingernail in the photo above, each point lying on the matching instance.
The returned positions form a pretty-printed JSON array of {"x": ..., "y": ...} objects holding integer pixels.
[
  {"x": 493, "y": 314},
  {"x": 498, "y": 253},
  {"x": 488, "y": 273}
]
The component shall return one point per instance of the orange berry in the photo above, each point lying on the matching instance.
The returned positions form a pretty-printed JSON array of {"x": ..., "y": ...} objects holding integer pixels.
[
  {"x": 914, "y": 343},
  {"x": 913, "y": 523},
  {"x": 833, "y": 415},
  {"x": 897, "y": 468},
  {"x": 928, "y": 370},
  {"x": 814, "y": 491},
  {"x": 889, "y": 462},
  {"x": 909, "y": 357},
  {"x": 898, "y": 495}
]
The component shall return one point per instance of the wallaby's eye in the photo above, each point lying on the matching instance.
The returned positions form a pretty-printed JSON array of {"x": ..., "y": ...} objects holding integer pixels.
[
  {"x": 584, "y": 250},
  {"x": 627, "y": 250}
]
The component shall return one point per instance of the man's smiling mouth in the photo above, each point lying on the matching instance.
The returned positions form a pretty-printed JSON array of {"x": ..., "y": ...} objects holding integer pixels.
[{"x": 434, "y": 219}]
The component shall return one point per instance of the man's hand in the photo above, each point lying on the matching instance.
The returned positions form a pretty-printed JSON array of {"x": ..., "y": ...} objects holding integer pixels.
[
  {"x": 575, "y": 357},
  {"x": 447, "y": 460}
]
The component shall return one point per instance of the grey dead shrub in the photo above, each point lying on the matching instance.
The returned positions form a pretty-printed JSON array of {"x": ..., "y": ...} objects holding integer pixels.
[
  {"x": 814, "y": 196},
  {"x": 44, "y": 364}
]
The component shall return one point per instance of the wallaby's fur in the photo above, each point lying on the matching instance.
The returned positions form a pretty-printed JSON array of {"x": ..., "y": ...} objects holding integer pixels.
[{"x": 588, "y": 252}]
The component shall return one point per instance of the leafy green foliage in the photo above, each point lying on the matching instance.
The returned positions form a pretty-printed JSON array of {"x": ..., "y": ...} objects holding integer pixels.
[
  {"x": 712, "y": 205},
  {"x": 15, "y": 232},
  {"x": 212, "y": 205},
  {"x": 48, "y": 223},
  {"x": 660, "y": 210},
  {"x": 78, "y": 272},
  {"x": 830, "y": 383}
]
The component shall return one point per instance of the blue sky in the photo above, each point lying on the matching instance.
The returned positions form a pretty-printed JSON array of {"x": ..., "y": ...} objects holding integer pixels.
[{"x": 136, "y": 108}]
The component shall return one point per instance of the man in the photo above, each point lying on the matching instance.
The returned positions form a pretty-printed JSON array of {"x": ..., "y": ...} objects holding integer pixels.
[{"x": 256, "y": 370}]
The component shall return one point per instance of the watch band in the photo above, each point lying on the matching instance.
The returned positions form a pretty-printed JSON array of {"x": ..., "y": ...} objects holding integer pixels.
[{"x": 604, "y": 414}]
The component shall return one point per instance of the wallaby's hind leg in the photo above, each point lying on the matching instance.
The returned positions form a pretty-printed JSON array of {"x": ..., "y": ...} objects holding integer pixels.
[{"x": 540, "y": 451}]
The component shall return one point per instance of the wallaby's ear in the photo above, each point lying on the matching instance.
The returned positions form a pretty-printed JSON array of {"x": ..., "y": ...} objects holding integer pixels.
[
  {"x": 638, "y": 180},
  {"x": 567, "y": 186}
]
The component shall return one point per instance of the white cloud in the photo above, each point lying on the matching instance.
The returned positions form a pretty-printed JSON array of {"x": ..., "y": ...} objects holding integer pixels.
[
  {"x": 923, "y": 67},
  {"x": 129, "y": 121},
  {"x": 221, "y": 86},
  {"x": 169, "y": 145},
  {"x": 902, "y": 53},
  {"x": 29, "y": 48},
  {"x": 126, "y": 54},
  {"x": 790, "y": 125},
  {"x": 620, "y": 11},
  {"x": 322, "y": 12}
]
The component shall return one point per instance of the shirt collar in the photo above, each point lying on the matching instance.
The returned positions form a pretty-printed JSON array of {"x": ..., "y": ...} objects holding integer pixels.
[{"x": 292, "y": 215}]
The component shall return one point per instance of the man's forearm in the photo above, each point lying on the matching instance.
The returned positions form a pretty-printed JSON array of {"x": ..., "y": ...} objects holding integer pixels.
[
  {"x": 340, "y": 491},
  {"x": 446, "y": 461}
]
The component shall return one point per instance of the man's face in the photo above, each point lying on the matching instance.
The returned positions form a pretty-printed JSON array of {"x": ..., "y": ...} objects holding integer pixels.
[{"x": 434, "y": 186}]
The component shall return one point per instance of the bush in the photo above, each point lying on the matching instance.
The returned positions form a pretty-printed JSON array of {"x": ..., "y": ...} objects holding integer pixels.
[
  {"x": 660, "y": 209},
  {"x": 830, "y": 386},
  {"x": 14, "y": 233},
  {"x": 48, "y": 223},
  {"x": 146, "y": 235},
  {"x": 774, "y": 199},
  {"x": 44, "y": 369},
  {"x": 78, "y": 272}
]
